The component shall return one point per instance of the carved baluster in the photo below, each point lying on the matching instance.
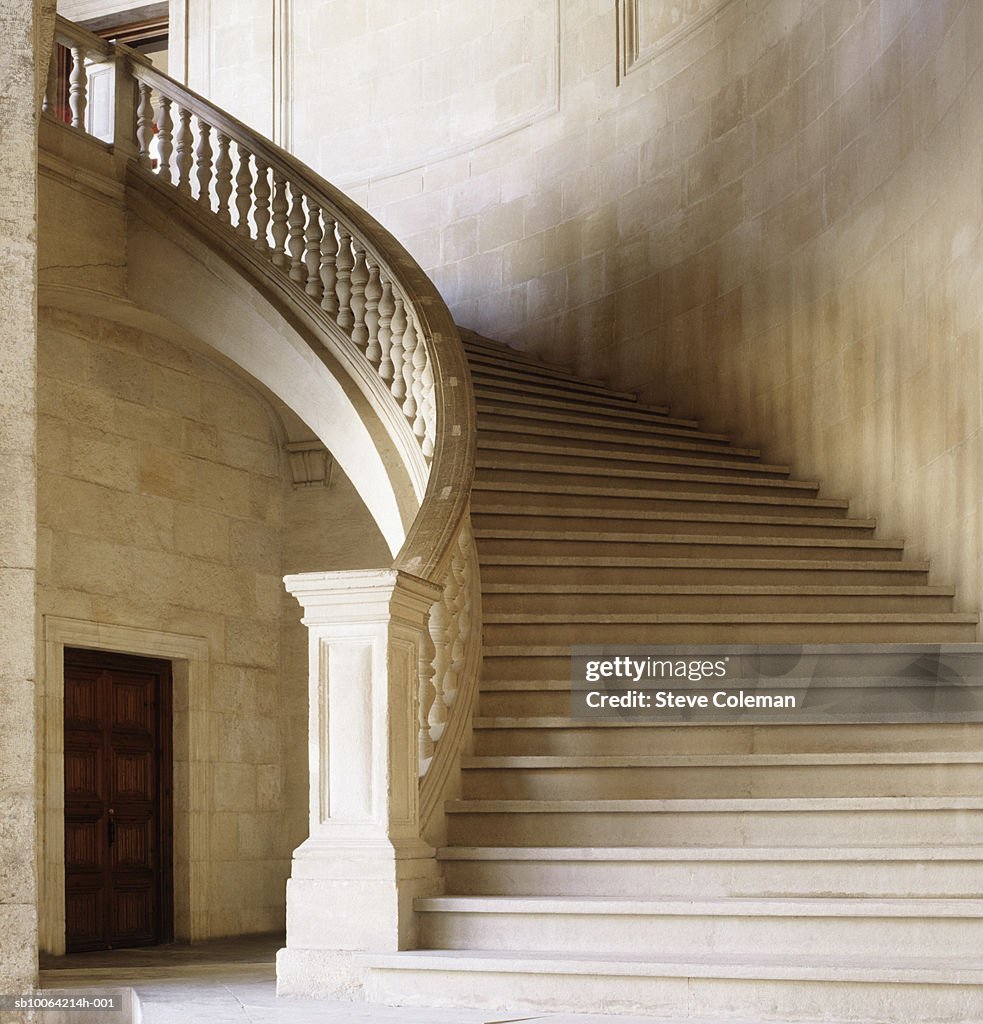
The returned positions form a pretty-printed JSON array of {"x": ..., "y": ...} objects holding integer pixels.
[
  {"x": 398, "y": 386},
  {"x": 262, "y": 212},
  {"x": 329, "y": 281},
  {"x": 386, "y": 309},
  {"x": 78, "y": 83},
  {"x": 450, "y": 596},
  {"x": 419, "y": 390},
  {"x": 182, "y": 149},
  {"x": 312, "y": 255},
  {"x": 373, "y": 293},
  {"x": 343, "y": 275},
  {"x": 51, "y": 82},
  {"x": 409, "y": 351},
  {"x": 427, "y": 405},
  {"x": 165, "y": 147},
  {"x": 360, "y": 277},
  {"x": 244, "y": 191},
  {"x": 426, "y": 698},
  {"x": 145, "y": 124},
  {"x": 280, "y": 229},
  {"x": 295, "y": 245},
  {"x": 437, "y": 718},
  {"x": 461, "y": 569},
  {"x": 223, "y": 178},
  {"x": 203, "y": 159}
]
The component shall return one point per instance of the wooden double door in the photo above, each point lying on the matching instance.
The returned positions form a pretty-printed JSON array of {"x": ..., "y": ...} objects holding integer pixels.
[{"x": 118, "y": 801}]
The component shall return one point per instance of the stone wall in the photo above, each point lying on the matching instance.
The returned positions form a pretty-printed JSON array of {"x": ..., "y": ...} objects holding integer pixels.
[
  {"x": 766, "y": 212},
  {"x": 18, "y": 276},
  {"x": 166, "y": 505},
  {"x": 161, "y": 492}
]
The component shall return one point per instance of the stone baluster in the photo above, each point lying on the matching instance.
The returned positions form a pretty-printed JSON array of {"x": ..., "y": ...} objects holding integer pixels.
[
  {"x": 427, "y": 694},
  {"x": 182, "y": 150},
  {"x": 373, "y": 293},
  {"x": 419, "y": 390},
  {"x": 312, "y": 254},
  {"x": 244, "y": 191},
  {"x": 360, "y": 277},
  {"x": 329, "y": 258},
  {"x": 437, "y": 717},
  {"x": 261, "y": 214},
  {"x": 145, "y": 124},
  {"x": 51, "y": 82},
  {"x": 409, "y": 350},
  {"x": 343, "y": 275},
  {"x": 451, "y": 596},
  {"x": 427, "y": 405},
  {"x": 386, "y": 310},
  {"x": 165, "y": 143},
  {"x": 223, "y": 178},
  {"x": 78, "y": 84},
  {"x": 398, "y": 353},
  {"x": 203, "y": 161},
  {"x": 461, "y": 611},
  {"x": 279, "y": 229},
  {"x": 295, "y": 243}
]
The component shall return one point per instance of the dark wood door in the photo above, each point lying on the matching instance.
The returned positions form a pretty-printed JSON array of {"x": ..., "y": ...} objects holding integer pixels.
[{"x": 118, "y": 839}]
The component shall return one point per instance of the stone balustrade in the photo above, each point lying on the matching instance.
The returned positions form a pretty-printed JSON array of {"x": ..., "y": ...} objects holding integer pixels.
[{"x": 387, "y": 327}]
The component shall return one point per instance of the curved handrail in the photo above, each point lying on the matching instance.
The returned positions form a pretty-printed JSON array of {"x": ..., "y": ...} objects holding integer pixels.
[{"x": 380, "y": 313}]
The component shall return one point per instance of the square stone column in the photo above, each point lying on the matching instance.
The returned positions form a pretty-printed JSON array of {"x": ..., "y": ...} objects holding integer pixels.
[{"x": 353, "y": 881}]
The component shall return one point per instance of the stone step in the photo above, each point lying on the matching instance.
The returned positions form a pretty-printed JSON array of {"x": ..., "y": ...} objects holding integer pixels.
[
  {"x": 533, "y": 492},
  {"x": 713, "y": 871},
  {"x": 698, "y": 925},
  {"x": 594, "y": 402},
  {"x": 611, "y": 545},
  {"x": 518, "y": 638},
  {"x": 613, "y": 411},
  {"x": 817, "y": 822},
  {"x": 646, "y": 521},
  {"x": 484, "y": 361},
  {"x": 496, "y": 428},
  {"x": 561, "y": 735},
  {"x": 580, "y": 599},
  {"x": 489, "y": 351},
  {"x": 646, "y": 480},
  {"x": 492, "y": 412},
  {"x": 569, "y": 456},
  {"x": 513, "y": 697},
  {"x": 651, "y": 776},
  {"x": 570, "y": 571},
  {"x": 749, "y": 988},
  {"x": 532, "y": 380}
]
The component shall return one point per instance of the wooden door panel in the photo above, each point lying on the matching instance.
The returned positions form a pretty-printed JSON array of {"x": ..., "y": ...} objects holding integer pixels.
[{"x": 117, "y": 801}]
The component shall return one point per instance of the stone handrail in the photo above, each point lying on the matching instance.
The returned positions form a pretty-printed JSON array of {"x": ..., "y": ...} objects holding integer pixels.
[{"x": 380, "y": 315}]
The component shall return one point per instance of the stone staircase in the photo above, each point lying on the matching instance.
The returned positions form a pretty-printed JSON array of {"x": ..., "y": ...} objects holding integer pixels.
[{"x": 724, "y": 872}]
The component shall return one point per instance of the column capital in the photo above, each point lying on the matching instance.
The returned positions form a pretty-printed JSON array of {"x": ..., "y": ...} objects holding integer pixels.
[{"x": 361, "y": 595}]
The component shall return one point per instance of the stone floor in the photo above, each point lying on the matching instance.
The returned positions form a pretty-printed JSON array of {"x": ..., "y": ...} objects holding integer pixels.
[{"x": 232, "y": 981}]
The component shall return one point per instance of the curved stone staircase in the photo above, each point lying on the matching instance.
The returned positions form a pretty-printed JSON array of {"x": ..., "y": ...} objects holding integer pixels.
[{"x": 688, "y": 872}]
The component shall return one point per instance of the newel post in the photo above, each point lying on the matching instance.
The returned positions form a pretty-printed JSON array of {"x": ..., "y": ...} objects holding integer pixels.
[
  {"x": 125, "y": 108},
  {"x": 353, "y": 881}
]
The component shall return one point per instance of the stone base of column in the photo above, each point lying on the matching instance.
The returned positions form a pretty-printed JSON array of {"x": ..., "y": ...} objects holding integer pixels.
[{"x": 343, "y": 901}]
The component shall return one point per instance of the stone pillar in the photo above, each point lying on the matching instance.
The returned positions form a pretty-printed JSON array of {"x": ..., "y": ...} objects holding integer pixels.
[
  {"x": 18, "y": 525},
  {"x": 353, "y": 881}
]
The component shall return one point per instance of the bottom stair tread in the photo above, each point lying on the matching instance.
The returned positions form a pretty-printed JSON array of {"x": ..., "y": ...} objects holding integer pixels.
[{"x": 892, "y": 970}]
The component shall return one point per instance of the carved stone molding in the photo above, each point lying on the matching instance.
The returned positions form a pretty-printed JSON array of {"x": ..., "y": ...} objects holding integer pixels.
[
  {"x": 310, "y": 463},
  {"x": 646, "y": 28}
]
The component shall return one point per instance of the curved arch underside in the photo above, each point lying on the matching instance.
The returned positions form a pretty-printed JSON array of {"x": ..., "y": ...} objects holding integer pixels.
[{"x": 191, "y": 295}]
